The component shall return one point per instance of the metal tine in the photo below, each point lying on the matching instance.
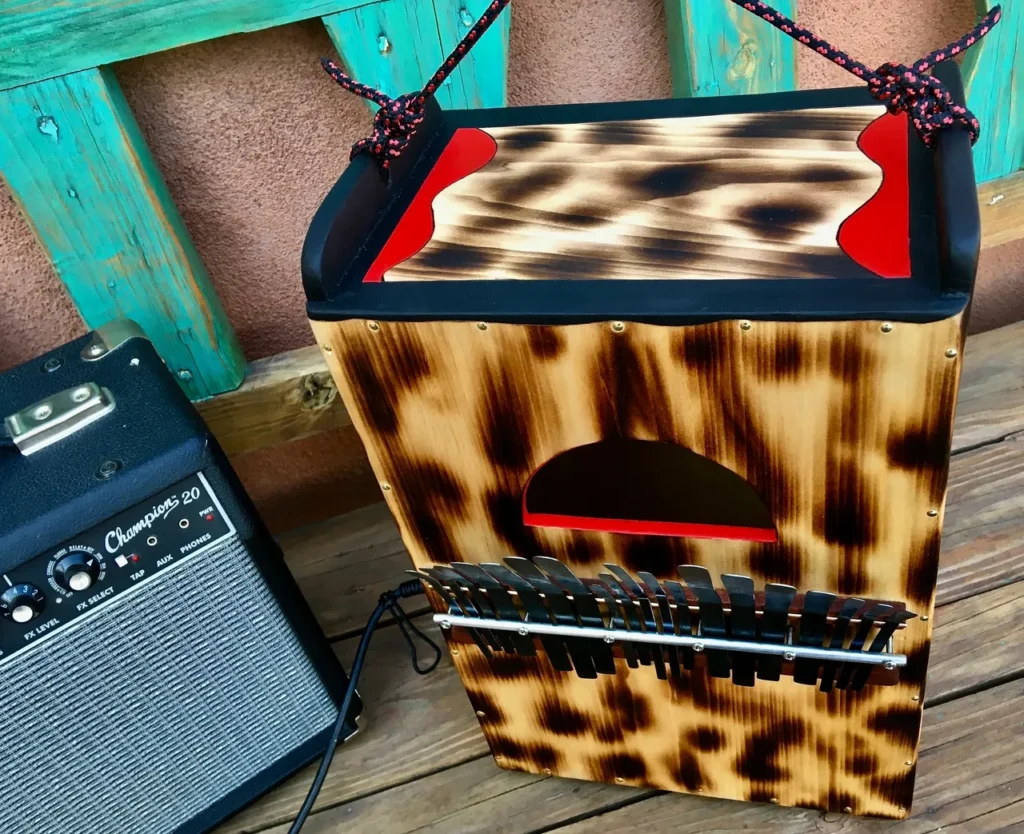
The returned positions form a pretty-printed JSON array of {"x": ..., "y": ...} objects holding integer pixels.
[
  {"x": 484, "y": 604},
  {"x": 500, "y": 600},
  {"x": 885, "y": 632},
  {"x": 643, "y": 651},
  {"x": 449, "y": 577},
  {"x": 839, "y": 631},
  {"x": 579, "y": 651},
  {"x": 774, "y": 624},
  {"x": 586, "y": 607},
  {"x": 654, "y": 588},
  {"x": 812, "y": 633},
  {"x": 867, "y": 620},
  {"x": 453, "y": 607},
  {"x": 682, "y": 620},
  {"x": 649, "y": 622},
  {"x": 712, "y": 616},
  {"x": 742, "y": 624},
  {"x": 617, "y": 620},
  {"x": 536, "y": 611}
]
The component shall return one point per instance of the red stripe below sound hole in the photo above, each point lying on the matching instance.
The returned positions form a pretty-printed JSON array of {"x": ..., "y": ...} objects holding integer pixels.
[{"x": 650, "y": 528}]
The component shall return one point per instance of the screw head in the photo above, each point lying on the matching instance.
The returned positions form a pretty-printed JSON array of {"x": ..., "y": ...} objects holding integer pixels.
[
  {"x": 924, "y": 618},
  {"x": 745, "y": 325},
  {"x": 386, "y": 487},
  {"x": 619, "y": 780},
  {"x": 327, "y": 349},
  {"x": 499, "y": 758},
  {"x": 383, "y": 44},
  {"x": 774, "y": 801},
  {"x": 446, "y": 624},
  {"x": 95, "y": 350},
  {"x": 481, "y": 325},
  {"x": 481, "y": 714},
  {"x": 42, "y": 413},
  {"x": 908, "y": 763},
  {"x": 700, "y": 790},
  {"x": 789, "y": 655},
  {"x": 698, "y": 647},
  {"x": 80, "y": 395},
  {"x": 135, "y": 362},
  {"x": 889, "y": 666},
  {"x": 618, "y": 326},
  {"x": 887, "y": 327},
  {"x": 108, "y": 469},
  {"x": 185, "y": 374},
  {"x": 847, "y": 810},
  {"x": 932, "y": 513},
  {"x": 51, "y": 365},
  {"x": 915, "y": 698},
  {"x": 952, "y": 353},
  {"x": 547, "y": 771},
  {"x": 455, "y": 652},
  {"x": 373, "y": 326},
  {"x": 524, "y": 632},
  {"x": 466, "y": 17},
  {"x": 609, "y": 639}
]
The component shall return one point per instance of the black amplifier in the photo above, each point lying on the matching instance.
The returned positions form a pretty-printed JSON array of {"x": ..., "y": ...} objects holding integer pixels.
[{"x": 159, "y": 668}]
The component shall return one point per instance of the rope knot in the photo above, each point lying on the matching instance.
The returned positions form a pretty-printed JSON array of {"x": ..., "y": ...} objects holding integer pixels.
[
  {"x": 906, "y": 89},
  {"x": 393, "y": 127}
]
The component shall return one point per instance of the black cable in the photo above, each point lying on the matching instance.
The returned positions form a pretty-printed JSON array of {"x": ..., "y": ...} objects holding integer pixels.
[{"x": 388, "y": 602}]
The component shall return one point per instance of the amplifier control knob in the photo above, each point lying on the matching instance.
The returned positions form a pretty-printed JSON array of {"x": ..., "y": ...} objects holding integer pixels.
[
  {"x": 22, "y": 603},
  {"x": 77, "y": 571}
]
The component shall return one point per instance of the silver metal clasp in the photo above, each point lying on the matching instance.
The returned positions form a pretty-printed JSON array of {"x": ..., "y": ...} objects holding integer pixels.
[{"x": 58, "y": 416}]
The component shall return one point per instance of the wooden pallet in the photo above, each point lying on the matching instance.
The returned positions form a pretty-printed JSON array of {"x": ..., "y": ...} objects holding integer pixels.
[
  {"x": 75, "y": 161},
  {"x": 421, "y": 763}
]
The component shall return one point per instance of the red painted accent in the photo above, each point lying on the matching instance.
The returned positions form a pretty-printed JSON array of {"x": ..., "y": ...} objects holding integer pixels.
[
  {"x": 683, "y": 530},
  {"x": 877, "y": 235},
  {"x": 469, "y": 150}
]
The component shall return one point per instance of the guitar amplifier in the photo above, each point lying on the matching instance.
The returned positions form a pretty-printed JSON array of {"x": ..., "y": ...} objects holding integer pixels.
[{"x": 159, "y": 668}]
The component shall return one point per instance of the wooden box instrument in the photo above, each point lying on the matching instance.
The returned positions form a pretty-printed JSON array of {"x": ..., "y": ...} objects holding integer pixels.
[{"x": 661, "y": 395}]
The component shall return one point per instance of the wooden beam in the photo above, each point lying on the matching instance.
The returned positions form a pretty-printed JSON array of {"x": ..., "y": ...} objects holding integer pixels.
[
  {"x": 396, "y": 45},
  {"x": 720, "y": 49},
  {"x": 1002, "y": 209},
  {"x": 284, "y": 397},
  {"x": 78, "y": 167},
  {"x": 40, "y": 40},
  {"x": 994, "y": 82}
]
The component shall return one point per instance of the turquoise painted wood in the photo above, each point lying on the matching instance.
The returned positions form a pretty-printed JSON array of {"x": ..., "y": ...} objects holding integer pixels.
[
  {"x": 42, "y": 39},
  {"x": 72, "y": 155},
  {"x": 396, "y": 45},
  {"x": 994, "y": 81},
  {"x": 716, "y": 48}
]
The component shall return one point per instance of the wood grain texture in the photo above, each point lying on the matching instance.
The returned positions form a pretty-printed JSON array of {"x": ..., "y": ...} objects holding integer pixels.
[
  {"x": 842, "y": 428},
  {"x": 397, "y": 45},
  {"x": 40, "y": 39},
  {"x": 1002, "y": 210},
  {"x": 74, "y": 159},
  {"x": 719, "y": 49},
  {"x": 994, "y": 83},
  {"x": 729, "y": 196},
  {"x": 284, "y": 397}
]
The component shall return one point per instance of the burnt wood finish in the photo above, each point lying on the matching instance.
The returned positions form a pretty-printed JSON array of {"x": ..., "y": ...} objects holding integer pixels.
[
  {"x": 731, "y": 196},
  {"x": 843, "y": 428}
]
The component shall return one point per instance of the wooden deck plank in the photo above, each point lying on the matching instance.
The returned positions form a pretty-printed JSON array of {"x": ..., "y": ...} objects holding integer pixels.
[
  {"x": 1002, "y": 210},
  {"x": 991, "y": 401},
  {"x": 417, "y": 726}
]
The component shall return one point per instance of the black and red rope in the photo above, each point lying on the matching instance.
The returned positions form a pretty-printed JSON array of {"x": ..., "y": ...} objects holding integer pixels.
[
  {"x": 399, "y": 118},
  {"x": 901, "y": 88}
]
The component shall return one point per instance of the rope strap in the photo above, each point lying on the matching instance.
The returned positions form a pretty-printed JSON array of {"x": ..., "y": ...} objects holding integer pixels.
[
  {"x": 399, "y": 118},
  {"x": 901, "y": 88}
]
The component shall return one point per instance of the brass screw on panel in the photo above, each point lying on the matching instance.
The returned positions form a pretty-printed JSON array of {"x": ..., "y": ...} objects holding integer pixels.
[
  {"x": 499, "y": 758},
  {"x": 745, "y": 325},
  {"x": 618, "y": 326},
  {"x": 386, "y": 487},
  {"x": 481, "y": 325},
  {"x": 328, "y": 349},
  {"x": 374, "y": 327},
  {"x": 700, "y": 790},
  {"x": 915, "y": 698},
  {"x": 908, "y": 763},
  {"x": 951, "y": 353},
  {"x": 924, "y": 618},
  {"x": 455, "y": 652},
  {"x": 547, "y": 771},
  {"x": 774, "y": 801},
  {"x": 887, "y": 327},
  {"x": 619, "y": 780},
  {"x": 847, "y": 810},
  {"x": 932, "y": 513},
  {"x": 481, "y": 714}
]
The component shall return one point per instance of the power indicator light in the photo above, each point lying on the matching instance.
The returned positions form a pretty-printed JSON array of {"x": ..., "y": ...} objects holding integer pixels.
[
  {"x": 134, "y": 557},
  {"x": 209, "y": 516}
]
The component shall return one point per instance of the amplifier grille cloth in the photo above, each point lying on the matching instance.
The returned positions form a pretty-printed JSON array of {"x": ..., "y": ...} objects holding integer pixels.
[{"x": 140, "y": 717}]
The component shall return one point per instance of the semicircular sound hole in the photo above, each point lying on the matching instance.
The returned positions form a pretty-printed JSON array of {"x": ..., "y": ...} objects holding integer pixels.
[{"x": 645, "y": 487}]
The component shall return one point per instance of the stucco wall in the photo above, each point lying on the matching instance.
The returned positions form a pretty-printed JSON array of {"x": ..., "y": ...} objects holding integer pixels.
[{"x": 250, "y": 134}]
